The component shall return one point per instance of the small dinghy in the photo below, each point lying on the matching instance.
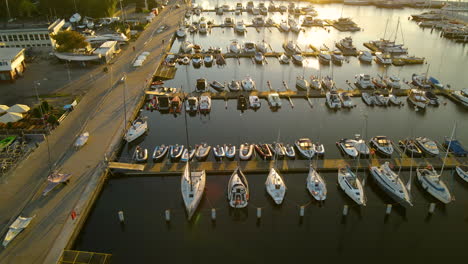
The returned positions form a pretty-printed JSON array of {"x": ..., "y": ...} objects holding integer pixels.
[
  {"x": 188, "y": 154},
  {"x": 462, "y": 172},
  {"x": 275, "y": 186},
  {"x": 217, "y": 86},
  {"x": 410, "y": 147},
  {"x": 208, "y": 60},
  {"x": 278, "y": 150},
  {"x": 319, "y": 149},
  {"x": 81, "y": 140},
  {"x": 238, "y": 190},
  {"x": 254, "y": 102},
  {"x": 202, "y": 151},
  {"x": 248, "y": 84},
  {"x": 159, "y": 152},
  {"x": 259, "y": 57},
  {"x": 316, "y": 185},
  {"x": 175, "y": 151},
  {"x": 298, "y": 59},
  {"x": 141, "y": 154},
  {"x": 230, "y": 151},
  {"x": 264, "y": 151},
  {"x": 289, "y": 151},
  {"x": 246, "y": 151},
  {"x": 284, "y": 59},
  {"x": 301, "y": 83},
  {"x": 219, "y": 152},
  {"x": 234, "y": 86}
]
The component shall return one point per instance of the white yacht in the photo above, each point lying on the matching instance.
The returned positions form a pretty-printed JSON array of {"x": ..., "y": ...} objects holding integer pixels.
[
  {"x": 418, "y": 98},
  {"x": 284, "y": 26},
  {"x": 274, "y": 100},
  {"x": 348, "y": 146},
  {"x": 346, "y": 99},
  {"x": 394, "y": 99},
  {"x": 294, "y": 26},
  {"x": 427, "y": 145},
  {"x": 234, "y": 47},
  {"x": 138, "y": 128},
  {"x": 181, "y": 32},
  {"x": 250, "y": 47},
  {"x": 363, "y": 81},
  {"x": 240, "y": 27},
  {"x": 234, "y": 86},
  {"x": 463, "y": 173},
  {"x": 292, "y": 47},
  {"x": 305, "y": 148},
  {"x": 315, "y": 83},
  {"x": 316, "y": 185},
  {"x": 284, "y": 59},
  {"x": 254, "y": 102},
  {"x": 382, "y": 144},
  {"x": 391, "y": 183},
  {"x": 351, "y": 185},
  {"x": 259, "y": 58},
  {"x": 365, "y": 57},
  {"x": 333, "y": 100},
  {"x": 263, "y": 47},
  {"x": 337, "y": 57},
  {"x": 191, "y": 104},
  {"x": 302, "y": 83},
  {"x": 205, "y": 104},
  {"x": 461, "y": 96},
  {"x": 324, "y": 57},
  {"x": 392, "y": 82},
  {"x": 203, "y": 27},
  {"x": 248, "y": 84},
  {"x": 297, "y": 59},
  {"x": 431, "y": 182},
  {"x": 192, "y": 187},
  {"x": 238, "y": 189},
  {"x": 369, "y": 99},
  {"x": 383, "y": 58},
  {"x": 275, "y": 186}
]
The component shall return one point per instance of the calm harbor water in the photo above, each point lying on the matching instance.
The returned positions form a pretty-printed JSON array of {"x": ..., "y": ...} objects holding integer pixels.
[{"x": 237, "y": 235}]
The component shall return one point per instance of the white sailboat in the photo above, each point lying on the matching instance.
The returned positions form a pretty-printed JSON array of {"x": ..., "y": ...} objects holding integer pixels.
[
  {"x": 391, "y": 183},
  {"x": 316, "y": 185},
  {"x": 238, "y": 190},
  {"x": 431, "y": 182},
  {"x": 275, "y": 186},
  {"x": 192, "y": 187},
  {"x": 351, "y": 185},
  {"x": 138, "y": 128}
]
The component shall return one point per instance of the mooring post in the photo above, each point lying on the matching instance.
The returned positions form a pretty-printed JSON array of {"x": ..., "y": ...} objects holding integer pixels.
[
  {"x": 302, "y": 211},
  {"x": 432, "y": 208},
  {"x": 345, "y": 210},
  {"x": 213, "y": 214},
  {"x": 259, "y": 213},
  {"x": 121, "y": 216},
  {"x": 168, "y": 215},
  {"x": 389, "y": 209}
]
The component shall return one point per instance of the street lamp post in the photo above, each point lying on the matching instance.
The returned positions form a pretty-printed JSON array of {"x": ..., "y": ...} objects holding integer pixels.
[{"x": 124, "y": 78}]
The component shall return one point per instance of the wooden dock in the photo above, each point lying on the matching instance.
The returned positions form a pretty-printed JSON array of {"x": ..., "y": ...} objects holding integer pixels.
[
  {"x": 126, "y": 166},
  {"x": 167, "y": 168}
]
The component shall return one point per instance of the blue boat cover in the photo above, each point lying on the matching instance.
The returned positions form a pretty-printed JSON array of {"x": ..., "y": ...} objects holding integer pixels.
[
  {"x": 433, "y": 80},
  {"x": 456, "y": 147}
]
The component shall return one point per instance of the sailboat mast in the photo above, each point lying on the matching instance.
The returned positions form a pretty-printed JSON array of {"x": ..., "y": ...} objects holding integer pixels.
[
  {"x": 385, "y": 31},
  {"x": 448, "y": 147},
  {"x": 396, "y": 31},
  {"x": 188, "y": 153}
]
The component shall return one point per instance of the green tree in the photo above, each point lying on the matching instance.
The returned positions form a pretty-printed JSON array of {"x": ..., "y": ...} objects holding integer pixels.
[
  {"x": 26, "y": 8},
  {"x": 68, "y": 41},
  {"x": 52, "y": 120},
  {"x": 45, "y": 106}
]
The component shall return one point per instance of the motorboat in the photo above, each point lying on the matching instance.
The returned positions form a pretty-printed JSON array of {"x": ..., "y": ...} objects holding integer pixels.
[
  {"x": 248, "y": 84},
  {"x": 418, "y": 99},
  {"x": 410, "y": 147},
  {"x": 160, "y": 152},
  {"x": 455, "y": 147},
  {"x": 427, "y": 145},
  {"x": 461, "y": 96},
  {"x": 234, "y": 86},
  {"x": 316, "y": 185},
  {"x": 188, "y": 154},
  {"x": 348, "y": 147},
  {"x": 333, "y": 100},
  {"x": 294, "y": 26},
  {"x": 365, "y": 57},
  {"x": 308, "y": 21},
  {"x": 138, "y": 128},
  {"x": 363, "y": 81},
  {"x": 185, "y": 60},
  {"x": 202, "y": 151},
  {"x": 234, "y": 47},
  {"x": 219, "y": 152},
  {"x": 259, "y": 57},
  {"x": 369, "y": 99},
  {"x": 269, "y": 22},
  {"x": 217, "y": 86},
  {"x": 240, "y": 27},
  {"x": 291, "y": 47},
  {"x": 351, "y": 185},
  {"x": 420, "y": 81},
  {"x": 263, "y": 47},
  {"x": 181, "y": 32},
  {"x": 141, "y": 154},
  {"x": 361, "y": 146},
  {"x": 305, "y": 148},
  {"x": 263, "y": 151},
  {"x": 337, "y": 57},
  {"x": 263, "y": 11},
  {"x": 431, "y": 182},
  {"x": 203, "y": 27},
  {"x": 289, "y": 151},
  {"x": 219, "y": 11},
  {"x": 238, "y": 189},
  {"x": 242, "y": 103},
  {"x": 433, "y": 99},
  {"x": 378, "y": 83},
  {"x": 275, "y": 186},
  {"x": 436, "y": 84},
  {"x": 283, "y": 8},
  {"x": 246, "y": 151},
  {"x": 346, "y": 99},
  {"x": 315, "y": 83},
  {"x": 272, "y": 7},
  {"x": 383, "y": 58},
  {"x": 175, "y": 151},
  {"x": 274, "y": 100},
  {"x": 226, "y": 8},
  {"x": 278, "y": 150},
  {"x": 197, "y": 48},
  {"x": 392, "y": 82},
  {"x": 191, "y": 105},
  {"x": 186, "y": 47},
  {"x": 250, "y": 6},
  {"x": 394, "y": 99},
  {"x": 258, "y": 21},
  {"x": 192, "y": 187},
  {"x": 284, "y": 59},
  {"x": 319, "y": 149},
  {"x": 382, "y": 144},
  {"x": 208, "y": 60},
  {"x": 283, "y": 26},
  {"x": 291, "y": 7},
  {"x": 380, "y": 99},
  {"x": 254, "y": 102},
  {"x": 197, "y": 60},
  {"x": 255, "y": 12},
  {"x": 328, "y": 83},
  {"x": 250, "y": 47},
  {"x": 201, "y": 86},
  {"x": 297, "y": 59},
  {"x": 239, "y": 6},
  {"x": 391, "y": 183},
  {"x": 163, "y": 103},
  {"x": 205, "y": 104},
  {"x": 230, "y": 151},
  {"x": 302, "y": 84},
  {"x": 463, "y": 173},
  {"x": 228, "y": 22},
  {"x": 346, "y": 46}
]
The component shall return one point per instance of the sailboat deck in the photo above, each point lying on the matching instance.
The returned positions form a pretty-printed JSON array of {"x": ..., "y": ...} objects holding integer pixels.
[{"x": 167, "y": 168}]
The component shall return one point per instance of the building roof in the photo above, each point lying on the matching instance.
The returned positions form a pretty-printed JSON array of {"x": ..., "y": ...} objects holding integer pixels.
[{"x": 9, "y": 53}]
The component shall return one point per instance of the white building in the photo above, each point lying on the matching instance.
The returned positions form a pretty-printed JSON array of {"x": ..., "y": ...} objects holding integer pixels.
[
  {"x": 11, "y": 64},
  {"x": 107, "y": 50},
  {"x": 26, "y": 36}
]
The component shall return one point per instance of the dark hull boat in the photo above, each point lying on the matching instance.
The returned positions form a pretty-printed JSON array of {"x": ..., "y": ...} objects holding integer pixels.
[{"x": 264, "y": 151}]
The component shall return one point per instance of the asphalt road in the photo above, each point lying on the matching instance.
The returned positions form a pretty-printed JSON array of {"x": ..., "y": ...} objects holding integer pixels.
[{"x": 101, "y": 114}]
